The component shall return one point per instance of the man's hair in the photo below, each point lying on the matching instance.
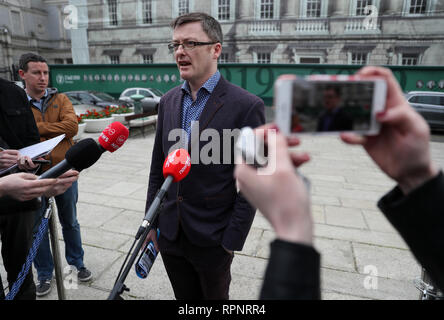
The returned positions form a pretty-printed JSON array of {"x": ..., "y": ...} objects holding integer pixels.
[
  {"x": 209, "y": 25},
  {"x": 29, "y": 57}
]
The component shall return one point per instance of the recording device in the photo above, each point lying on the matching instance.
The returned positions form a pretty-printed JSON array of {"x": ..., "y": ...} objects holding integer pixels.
[
  {"x": 146, "y": 259},
  {"x": 175, "y": 168},
  {"x": 86, "y": 152},
  {"x": 325, "y": 104}
]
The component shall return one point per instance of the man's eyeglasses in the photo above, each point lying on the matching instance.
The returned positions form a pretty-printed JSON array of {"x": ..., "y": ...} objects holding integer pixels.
[{"x": 187, "y": 45}]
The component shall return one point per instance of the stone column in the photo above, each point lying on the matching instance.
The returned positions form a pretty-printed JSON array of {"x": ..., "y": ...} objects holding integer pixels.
[
  {"x": 341, "y": 8},
  {"x": 246, "y": 8},
  {"x": 291, "y": 8},
  {"x": 394, "y": 7}
]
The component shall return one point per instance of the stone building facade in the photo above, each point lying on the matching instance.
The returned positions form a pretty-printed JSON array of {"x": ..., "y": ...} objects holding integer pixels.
[
  {"x": 393, "y": 32},
  {"x": 397, "y": 32},
  {"x": 32, "y": 26}
]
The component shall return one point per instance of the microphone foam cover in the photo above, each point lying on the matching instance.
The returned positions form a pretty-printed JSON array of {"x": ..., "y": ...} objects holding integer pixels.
[
  {"x": 177, "y": 165},
  {"x": 114, "y": 136},
  {"x": 83, "y": 154}
]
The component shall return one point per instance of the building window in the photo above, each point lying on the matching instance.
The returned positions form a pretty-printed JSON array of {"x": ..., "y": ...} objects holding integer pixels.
[
  {"x": 224, "y": 57},
  {"x": 313, "y": 8},
  {"x": 69, "y": 61},
  {"x": 147, "y": 11},
  {"x": 223, "y": 10},
  {"x": 418, "y": 6},
  {"x": 311, "y": 60},
  {"x": 263, "y": 57},
  {"x": 361, "y": 5},
  {"x": 410, "y": 59},
  {"x": 183, "y": 7},
  {"x": 358, "y": 58},
  {"x": 147, "y": 58},
  {"x": 58, "y": 61},
  {"x": 112, "y": 11},
  {"x": 114, "y": 59},
  {"x": 267, "y": 9}
]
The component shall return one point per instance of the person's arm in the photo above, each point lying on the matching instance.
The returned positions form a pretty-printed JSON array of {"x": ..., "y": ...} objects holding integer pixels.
[
  {"x": 68, "y": 121},
  {"x": 419, "y": 219},
  {"x": 402, "y": 151},
  {"x": 293, "y": 270}
]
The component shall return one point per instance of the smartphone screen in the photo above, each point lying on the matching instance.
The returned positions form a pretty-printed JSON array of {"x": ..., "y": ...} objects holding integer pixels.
[{"x": 331, "y": 106}]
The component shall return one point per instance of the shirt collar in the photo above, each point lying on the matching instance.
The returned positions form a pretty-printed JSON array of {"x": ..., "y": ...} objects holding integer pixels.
[
  {"x": 209, "y": 85},
  {"x": 32, "y": 99}
]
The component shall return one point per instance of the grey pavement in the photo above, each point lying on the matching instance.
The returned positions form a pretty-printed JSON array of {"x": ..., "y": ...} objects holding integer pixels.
[{"x": 362, "y": 255}]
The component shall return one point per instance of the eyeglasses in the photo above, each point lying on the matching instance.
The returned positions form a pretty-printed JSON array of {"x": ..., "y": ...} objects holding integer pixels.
[{"x": 187, "y": 45}]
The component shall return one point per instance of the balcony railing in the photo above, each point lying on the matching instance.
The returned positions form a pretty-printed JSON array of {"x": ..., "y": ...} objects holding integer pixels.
[
  {"x": 312, "y": 26},
  {"x": 264, "y": 27},
  {"x": 363, "y": 25}
]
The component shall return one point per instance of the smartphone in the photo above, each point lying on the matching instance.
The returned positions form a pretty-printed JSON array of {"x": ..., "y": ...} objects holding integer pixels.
[{"x": 329, "y": 104}]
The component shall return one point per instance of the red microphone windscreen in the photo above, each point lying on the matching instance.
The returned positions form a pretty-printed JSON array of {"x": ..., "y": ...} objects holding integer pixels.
[
  {"x": 114, "y": 136},
  {"x": 177, "y": 165}
]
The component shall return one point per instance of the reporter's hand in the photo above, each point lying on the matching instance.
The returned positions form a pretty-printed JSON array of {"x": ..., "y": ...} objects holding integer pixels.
[
  {"x": 152, "y": 236},
  {"x": 62, "y": 183},
  {"x": 24, "y": 186},
  {"x": 8, "y": 158},
  {"x": 401, "y": 149},
  {"x": 25, "y": 163},
  {"x": 282, "y": 196}
]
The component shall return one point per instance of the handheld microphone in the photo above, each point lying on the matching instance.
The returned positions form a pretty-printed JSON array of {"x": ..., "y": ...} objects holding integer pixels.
[
  {"x": 175, "y": 168},
  {"x": 86, "y": 152}
]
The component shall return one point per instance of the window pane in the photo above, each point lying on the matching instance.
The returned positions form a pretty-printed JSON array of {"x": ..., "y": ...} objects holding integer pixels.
[
  {"x": 310, "y": 60},
  {"x": 146, "y": 11},
  {"x": 313, "y": 8},
  {"x": 264, "y": 58},
  {"x": 223, "y": 10},
  {"x": 360, "y": 6},
  {"x": 112, "y": 8},
  {"x": 418, "y": 6},
  {"x": 184, "y": 7},
  {"x": 267, "y": 7},
  {"x": 429, "y": 100}
]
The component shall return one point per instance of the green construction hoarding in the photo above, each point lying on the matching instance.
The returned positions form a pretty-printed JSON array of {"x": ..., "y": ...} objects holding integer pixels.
[{"x": 256, "y": 78}]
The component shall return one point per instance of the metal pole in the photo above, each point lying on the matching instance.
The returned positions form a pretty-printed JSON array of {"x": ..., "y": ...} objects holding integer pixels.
[{"x": 55, "y": 250}]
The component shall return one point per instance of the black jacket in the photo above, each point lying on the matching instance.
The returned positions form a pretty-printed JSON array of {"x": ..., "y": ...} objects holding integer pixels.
[{"x": 17, "y": 130}]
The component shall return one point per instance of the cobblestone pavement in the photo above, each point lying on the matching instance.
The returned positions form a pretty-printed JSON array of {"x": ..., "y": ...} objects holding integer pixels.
[{"x": 354, "y": 238}]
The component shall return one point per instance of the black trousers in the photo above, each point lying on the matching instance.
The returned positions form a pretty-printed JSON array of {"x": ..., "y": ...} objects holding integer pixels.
[
  {"x": 196, "y": 272},
  {"x": 16, "y": 238}
]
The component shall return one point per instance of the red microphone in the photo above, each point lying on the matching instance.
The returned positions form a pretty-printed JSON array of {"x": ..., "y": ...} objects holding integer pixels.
[
  {"x": 114, "y": 136},
  {"x": 175, "y": 168},
  {"x": 86, "y": 152}
]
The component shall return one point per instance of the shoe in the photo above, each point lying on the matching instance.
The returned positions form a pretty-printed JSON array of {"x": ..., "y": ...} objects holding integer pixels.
[
  {"x": 84, "y": 274},
  {"x": 43, "y": 288}
]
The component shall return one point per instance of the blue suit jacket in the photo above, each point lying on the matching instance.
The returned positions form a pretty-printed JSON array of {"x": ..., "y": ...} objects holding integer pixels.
[{"x": 205, "y": 203}]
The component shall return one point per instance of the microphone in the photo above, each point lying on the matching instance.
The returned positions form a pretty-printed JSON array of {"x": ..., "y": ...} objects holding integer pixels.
[
  {"x": 86, "y": 152},
  {"x": 175, "y": 168}
]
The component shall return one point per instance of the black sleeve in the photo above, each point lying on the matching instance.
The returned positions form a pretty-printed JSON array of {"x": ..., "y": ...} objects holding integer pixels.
[
  {"x": 293, "y": 273},
  {"x": 419, "y": 218}
]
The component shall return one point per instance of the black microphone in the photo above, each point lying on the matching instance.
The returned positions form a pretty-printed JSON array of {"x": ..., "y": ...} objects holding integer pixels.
[{"x": 80, "y": 156}]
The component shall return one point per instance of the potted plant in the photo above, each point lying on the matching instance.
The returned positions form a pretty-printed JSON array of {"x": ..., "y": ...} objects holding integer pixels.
[
  {"x": 81, "y": 124},
  {"x": 119, "y": 113},
  {"x": 97, "y": 121}
]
